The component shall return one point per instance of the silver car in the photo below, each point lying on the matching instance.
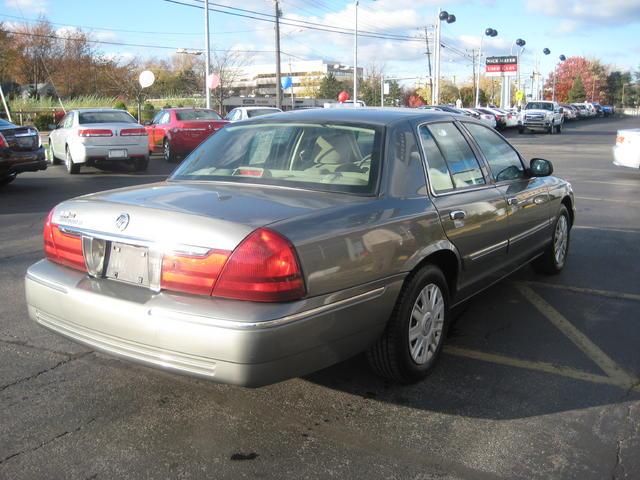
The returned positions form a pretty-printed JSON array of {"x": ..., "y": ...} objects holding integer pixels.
[
  {"x": 96, "y": 137},
  {"x": 286, "y": 244}
]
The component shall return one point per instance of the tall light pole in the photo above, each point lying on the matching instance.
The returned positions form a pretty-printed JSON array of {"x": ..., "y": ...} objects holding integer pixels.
[
  {"x": 355, "y": 56},
  {"x": 449, "y": 18},
  {"x": 520, "y": 43},
  {"x": 278, "y": 73},
  {"x": 207, "y": 58},
  {"x": 562, "y": 58},
  {"x": 489, "y": 32}
]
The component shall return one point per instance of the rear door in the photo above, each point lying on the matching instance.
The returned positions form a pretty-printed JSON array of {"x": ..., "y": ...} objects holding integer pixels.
[
  {"x": 527, "y": 197},
  {"x": 472, "y": 210}
]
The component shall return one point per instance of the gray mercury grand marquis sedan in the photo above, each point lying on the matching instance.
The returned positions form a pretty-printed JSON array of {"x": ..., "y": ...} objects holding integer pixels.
[{"x": 291, "y": 242}]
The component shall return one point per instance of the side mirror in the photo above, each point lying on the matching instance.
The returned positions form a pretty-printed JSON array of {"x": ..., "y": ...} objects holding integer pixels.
[
  {"x": 539, "y": 167},
  {"x": 561, "y": 110}
]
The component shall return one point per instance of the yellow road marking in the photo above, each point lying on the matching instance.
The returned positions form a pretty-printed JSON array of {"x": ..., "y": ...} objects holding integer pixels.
[
  {"x": 611, "y": 368},
  {"x": 589, "y": 291},
  {"x": 531, "y": 365}
]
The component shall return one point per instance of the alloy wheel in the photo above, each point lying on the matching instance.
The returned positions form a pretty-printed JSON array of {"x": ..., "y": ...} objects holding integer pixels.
[
  {"x": 426, "y": 324},
  {"x": 560, "y": 240}
]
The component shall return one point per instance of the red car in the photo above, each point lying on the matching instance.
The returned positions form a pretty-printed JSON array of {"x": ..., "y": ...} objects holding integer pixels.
[{"x": 176, "y": 132}]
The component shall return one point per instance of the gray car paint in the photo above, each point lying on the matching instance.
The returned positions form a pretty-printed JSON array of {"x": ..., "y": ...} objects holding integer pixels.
[{"x": 348, "y": 246}]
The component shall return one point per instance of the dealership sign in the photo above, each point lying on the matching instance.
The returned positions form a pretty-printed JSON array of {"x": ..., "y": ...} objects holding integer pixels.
[{"x": 501, "y": 66}]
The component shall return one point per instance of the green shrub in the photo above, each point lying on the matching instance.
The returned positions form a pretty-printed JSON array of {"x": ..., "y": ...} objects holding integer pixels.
[
  {"x": 120, "y": 106},
  {"x": 43, "y": 120},
  {"x": 148, "y": 112},
  {"x": 167, "y": 106}
]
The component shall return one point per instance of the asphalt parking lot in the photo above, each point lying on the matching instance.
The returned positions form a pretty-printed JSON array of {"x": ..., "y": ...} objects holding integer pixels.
[{"x": 540, "y": 377}]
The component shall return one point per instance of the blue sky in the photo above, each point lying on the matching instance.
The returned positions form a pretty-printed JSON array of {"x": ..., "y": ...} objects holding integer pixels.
[{"x": 604, "y": 29}]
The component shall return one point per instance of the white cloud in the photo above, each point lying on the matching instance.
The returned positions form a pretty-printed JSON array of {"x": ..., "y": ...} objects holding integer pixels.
[
  {"x": 588, "y": 12},
  {"x": 27, "y": 6}
]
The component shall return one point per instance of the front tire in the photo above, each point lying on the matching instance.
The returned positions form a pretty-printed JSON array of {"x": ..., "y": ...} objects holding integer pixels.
[
  {"x": 167, "y": 151},
  {"x": 520, "y": 129},
  {"x": 72, "y": 168},
  {"x": 413, "y": 338},
  {"x": 554, "y": 258},
  {"x": 551, "y": 129},
  {"x": 51, "y": 155},
  {"x": 559, "y": 128},
  {"x": 8, "y": 179}
]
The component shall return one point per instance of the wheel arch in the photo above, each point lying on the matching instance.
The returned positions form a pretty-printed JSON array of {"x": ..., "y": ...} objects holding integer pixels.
[
  {"x": 567, "y": 202},
  {"x": 445, "y": 256}
]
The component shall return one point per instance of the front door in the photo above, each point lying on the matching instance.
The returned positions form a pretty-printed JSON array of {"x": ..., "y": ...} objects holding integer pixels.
[
  {"x": 527, "y": 197},
  {"x": 473, "y": 212}
]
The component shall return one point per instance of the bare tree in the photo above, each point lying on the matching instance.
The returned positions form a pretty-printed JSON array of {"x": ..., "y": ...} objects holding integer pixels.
[{"x": 228, "y": 65}]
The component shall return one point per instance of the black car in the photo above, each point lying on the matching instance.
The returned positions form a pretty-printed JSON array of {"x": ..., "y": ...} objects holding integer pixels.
[{"x": 20, "y": 151}]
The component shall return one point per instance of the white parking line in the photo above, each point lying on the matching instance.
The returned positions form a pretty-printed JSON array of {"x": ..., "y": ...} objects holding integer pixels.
[
  {"x": 637, "y": 184},
  {"x": 621, "y": 377},
  {"x": 588, "y": 291},
  {"x": 605, "y": 229},
  {"x": 601, "y": 199}
]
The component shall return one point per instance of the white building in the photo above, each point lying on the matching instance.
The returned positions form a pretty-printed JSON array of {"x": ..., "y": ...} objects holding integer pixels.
[{"x": 260, "y": 80}]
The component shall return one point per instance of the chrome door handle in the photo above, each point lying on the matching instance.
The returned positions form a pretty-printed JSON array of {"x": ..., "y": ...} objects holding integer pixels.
[
  {"x": 513, "y": 201},
  {"x": 457, "y": 214}
]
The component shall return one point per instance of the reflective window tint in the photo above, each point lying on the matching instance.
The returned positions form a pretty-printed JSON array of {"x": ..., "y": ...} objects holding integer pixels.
[
  {"x": 463, "y": 164},
  {"x": 437, "y": 171},
  {"x": 503, "y": 160}
]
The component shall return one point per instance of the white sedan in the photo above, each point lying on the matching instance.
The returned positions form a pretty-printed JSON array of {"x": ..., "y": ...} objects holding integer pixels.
[
  {"x": 244, "y": 113},
  {"x": 95, "y": 137},
  {"x": 626, "y": 153}
]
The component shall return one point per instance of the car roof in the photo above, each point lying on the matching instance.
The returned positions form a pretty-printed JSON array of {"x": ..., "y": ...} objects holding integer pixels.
[
  {"x": 370, "y": 115},
  {"x": 258, "y": 107}
]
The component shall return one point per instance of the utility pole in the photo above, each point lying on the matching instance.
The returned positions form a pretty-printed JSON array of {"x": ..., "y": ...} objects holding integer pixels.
[
  {"x": 207, "y": 58},
  {"x": 426, "y": 40},
  {"x": 473, "y": 56},
  {"x": 355, "y": 58},
  {"x": 278, "y": 74},
  {"x": 435, "y": 92}
]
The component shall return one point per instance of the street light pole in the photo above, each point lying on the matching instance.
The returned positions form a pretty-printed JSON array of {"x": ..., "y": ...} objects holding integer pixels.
[
  {"x": 437, "y": 34},
  {"x": 207, "y": 58},
  {"x": 562, "y": 58},
  {"x": 489, "y": 32},
  {"x": 355, "y": 57},
  {"x": 278, "y": 73}
]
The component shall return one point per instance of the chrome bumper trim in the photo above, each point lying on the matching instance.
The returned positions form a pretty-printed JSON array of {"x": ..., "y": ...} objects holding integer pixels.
[{"x": 278, "y": 322}]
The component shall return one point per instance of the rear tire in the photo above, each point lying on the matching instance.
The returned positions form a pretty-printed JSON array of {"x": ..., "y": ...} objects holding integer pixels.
[
  {"x": 559, "y": 128},
  {"x": 520, "y": 129},
  {"x": 167, "y": 151},
  {"x": 141, "y": 164},
  {"x": 413, "y": 338},
  {"x": 72, "y": 168},
  {"x": 551, "y": 129},
  {"x": 554, "y": 258}
]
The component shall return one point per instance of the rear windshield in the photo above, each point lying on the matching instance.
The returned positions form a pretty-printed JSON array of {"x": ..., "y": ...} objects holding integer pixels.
[
  {"x": 4, "y": 123},
  {"x": 186, "y": 115},
  {"x": 539, "y": 106},
  {"x": 105, "y": 117},
  {"x": 261, "y": 111},
  {"x": 338, "y": 158}
]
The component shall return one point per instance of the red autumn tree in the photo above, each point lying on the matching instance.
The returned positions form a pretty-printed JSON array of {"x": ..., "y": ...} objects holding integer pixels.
[{"x": 592, "y": 72}]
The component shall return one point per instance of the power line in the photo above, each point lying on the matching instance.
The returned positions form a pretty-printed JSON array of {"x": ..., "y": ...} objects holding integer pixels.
[{"x": 300, "y": 23}]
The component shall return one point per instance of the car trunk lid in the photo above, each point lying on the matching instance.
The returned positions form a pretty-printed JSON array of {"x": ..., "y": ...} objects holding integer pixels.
[{"x": 21, "y": 139}]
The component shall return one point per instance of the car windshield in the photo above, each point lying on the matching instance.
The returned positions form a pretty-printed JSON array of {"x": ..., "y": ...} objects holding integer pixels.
[
  {"x": 105, "y": 117},
  {"x": 539, "y": 106},
  {"x": 261, "y": 111},
  {"x": 197, "y": 115},
  {"x": 327, "y": 157}
]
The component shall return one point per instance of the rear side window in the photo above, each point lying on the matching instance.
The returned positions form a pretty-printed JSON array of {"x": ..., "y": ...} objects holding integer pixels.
[
  {"x": 461, "y": 163},
  {"x": 503, "y": 160}
]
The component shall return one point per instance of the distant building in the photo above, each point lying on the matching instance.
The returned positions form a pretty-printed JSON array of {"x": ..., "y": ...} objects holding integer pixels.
[{"x": 260, "y": 80}]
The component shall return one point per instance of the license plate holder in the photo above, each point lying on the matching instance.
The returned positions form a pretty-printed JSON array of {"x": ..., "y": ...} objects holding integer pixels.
[
  {"x": 129, "y": 264},
  {"x": 118, "y": 153}
]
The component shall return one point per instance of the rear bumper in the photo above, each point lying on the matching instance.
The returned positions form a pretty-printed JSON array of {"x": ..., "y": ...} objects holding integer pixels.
[
  {"x": 12, "y": 162},
  {"x": 90, "y": 154},
  {"x": 240, "y": 343}
]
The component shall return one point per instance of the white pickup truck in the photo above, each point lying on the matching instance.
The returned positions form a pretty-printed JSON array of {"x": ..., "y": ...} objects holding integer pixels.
[{"x": 541, "y": 115}]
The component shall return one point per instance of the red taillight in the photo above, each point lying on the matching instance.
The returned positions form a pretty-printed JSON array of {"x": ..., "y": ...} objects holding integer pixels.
[
  {"x": 133, "y": 132},
  {"x": 61, "y": 247},
  {"x": 263, "y": 268},
  {"x": 3, "y": 142},
  {"x": 192, "y": 274},
  {"x": 95, "y": 132}
]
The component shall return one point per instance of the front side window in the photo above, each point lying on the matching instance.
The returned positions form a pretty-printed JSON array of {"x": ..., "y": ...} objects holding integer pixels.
[
  {"x": 462, "y": 165},
  {"x": 503, "y": 160},
  {"x": 341, "y": 158},
  {"x": 116, "y": 116}
]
